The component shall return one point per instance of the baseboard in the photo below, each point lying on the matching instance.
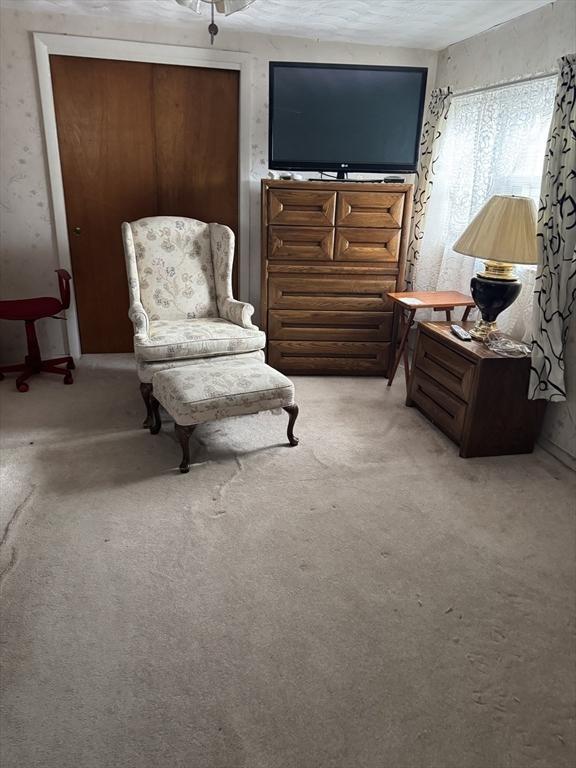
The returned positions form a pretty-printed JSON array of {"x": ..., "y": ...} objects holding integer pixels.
[{"x": 563, "y": 456}]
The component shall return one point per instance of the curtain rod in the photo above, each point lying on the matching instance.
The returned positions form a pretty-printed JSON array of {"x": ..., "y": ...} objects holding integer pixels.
[{"x": 507, "y": 84}]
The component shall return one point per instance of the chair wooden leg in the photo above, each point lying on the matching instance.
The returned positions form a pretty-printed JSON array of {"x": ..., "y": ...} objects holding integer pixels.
[
  {"x": 292, "y": 411},
  {"x": 146, "y": 392},
  {"x": 183, "y": 434},
  {"x": 156, "y": 421}
]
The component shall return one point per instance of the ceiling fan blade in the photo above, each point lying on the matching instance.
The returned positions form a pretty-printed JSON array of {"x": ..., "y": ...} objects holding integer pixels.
[
  {"x": 231, "y": 6},
  {"x": 222, "y": 6},
  {"x": 191, "y": 5}
]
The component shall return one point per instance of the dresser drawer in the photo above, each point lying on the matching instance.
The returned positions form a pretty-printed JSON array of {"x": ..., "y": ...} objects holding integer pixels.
[
  {"x": 339, "y": 293},
  {"x": 340, "y": 357},
  {"x": 302, "y": 325},
  {"x": 297, "y": 243},
  {"x": 357, "y": 244},
  {"x": 301, "y": 207},
  {"x": 445, "y": 366},
  {"x": 370, "y": 209},
  {"x": 441, "y": 407}
]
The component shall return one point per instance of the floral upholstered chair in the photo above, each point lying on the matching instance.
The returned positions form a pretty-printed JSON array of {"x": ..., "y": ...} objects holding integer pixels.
[{"x": 181, "y": 304}]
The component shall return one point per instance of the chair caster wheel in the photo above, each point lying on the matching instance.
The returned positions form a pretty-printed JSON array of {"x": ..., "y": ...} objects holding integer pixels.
[
  {"x": 68, "y": 379},
  {"x": 22, "y": 387}
]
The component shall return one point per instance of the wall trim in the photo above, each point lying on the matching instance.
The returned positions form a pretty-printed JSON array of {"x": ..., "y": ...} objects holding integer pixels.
[
  {"x": 156, "y": 53},
  {"x": 559, "y": 453}
]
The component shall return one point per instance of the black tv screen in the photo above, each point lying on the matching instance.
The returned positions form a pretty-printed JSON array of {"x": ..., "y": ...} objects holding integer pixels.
[{"x": 346, "y": 118}]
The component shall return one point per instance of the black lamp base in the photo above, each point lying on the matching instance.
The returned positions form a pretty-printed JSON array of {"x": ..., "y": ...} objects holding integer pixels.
[{"x": 491, "y": 297}]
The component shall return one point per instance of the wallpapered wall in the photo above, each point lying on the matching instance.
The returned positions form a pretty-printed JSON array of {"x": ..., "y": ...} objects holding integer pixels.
[
  {"x": 525, "y": 46},
  {"x": 28, "y": 249}
]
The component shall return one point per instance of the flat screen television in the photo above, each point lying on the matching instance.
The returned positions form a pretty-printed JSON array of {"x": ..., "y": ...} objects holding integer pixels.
[{"x": 341, "y": 117}]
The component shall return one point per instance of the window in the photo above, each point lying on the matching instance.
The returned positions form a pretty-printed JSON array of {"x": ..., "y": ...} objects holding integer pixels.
[{"x": 494, "y": 144}]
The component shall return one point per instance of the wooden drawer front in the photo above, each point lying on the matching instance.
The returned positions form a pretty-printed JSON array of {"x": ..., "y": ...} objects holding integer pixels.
[
  {"x": 441, "y": 407},
  {"x": 301, "y": 207},
  {"x": 445, "y": 366},
  {"x": 300, "y": 325},
  {"x": 340, "y": 293},
  {"x": 355, "y": 244},
  {"x": 370, "y": 209},
  {"x": 354, "y": 357},
  {"x": 300, "y": 243}
]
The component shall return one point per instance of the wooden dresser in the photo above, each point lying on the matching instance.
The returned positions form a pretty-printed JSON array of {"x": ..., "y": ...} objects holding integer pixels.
[
  {"x": 331, "y": 251},
  {"x": 477, "y": 397}
]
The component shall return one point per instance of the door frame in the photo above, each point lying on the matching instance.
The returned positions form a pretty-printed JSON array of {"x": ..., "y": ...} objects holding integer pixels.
[{"x": 46, "y": 44}]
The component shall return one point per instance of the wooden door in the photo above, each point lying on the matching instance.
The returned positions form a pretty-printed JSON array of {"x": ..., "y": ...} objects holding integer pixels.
[
  {"x": 196, "y": 126},
  {"x": 137, "y": 139}
]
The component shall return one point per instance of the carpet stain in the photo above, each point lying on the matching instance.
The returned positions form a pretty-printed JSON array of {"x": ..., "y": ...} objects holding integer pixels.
[{"x": 7, "y": 534}]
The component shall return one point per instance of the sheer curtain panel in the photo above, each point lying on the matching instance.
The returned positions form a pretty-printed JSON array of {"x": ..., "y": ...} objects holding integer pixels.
[{"x": 495, "y": 144}]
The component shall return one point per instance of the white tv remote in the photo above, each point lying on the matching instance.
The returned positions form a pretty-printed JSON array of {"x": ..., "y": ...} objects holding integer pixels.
[{"x": 460, "y": 332}]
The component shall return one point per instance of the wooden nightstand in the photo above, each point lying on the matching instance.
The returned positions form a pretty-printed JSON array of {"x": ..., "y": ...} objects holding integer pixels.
[{"x": 475, "y": 396}]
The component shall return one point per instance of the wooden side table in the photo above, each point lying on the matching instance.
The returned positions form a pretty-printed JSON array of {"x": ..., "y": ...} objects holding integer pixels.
[
  {"x": 477, "y": 397},
  {"x": 406, "y": 304}
]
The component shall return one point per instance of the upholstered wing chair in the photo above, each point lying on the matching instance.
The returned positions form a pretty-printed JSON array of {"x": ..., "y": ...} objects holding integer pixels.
[{"x": 181, "y": 304}]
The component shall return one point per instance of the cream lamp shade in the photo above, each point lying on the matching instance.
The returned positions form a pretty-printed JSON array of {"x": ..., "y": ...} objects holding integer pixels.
[{"x": 504, "y": 230}]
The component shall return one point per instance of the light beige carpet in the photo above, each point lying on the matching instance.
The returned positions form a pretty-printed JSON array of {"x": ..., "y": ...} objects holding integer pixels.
[{"x": 365, "y": 600}]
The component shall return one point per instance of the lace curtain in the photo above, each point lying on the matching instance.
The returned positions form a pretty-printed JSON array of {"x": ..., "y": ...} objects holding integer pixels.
[{"x": 495, "y": 144}]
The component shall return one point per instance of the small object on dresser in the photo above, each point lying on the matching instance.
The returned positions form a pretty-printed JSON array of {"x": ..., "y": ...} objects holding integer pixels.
[
  {"x": 458, "y": 331},
  {"x": 508, "y": 347}
]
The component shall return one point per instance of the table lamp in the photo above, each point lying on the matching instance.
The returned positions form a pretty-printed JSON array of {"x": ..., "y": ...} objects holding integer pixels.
[{"x": 502, "y": 234}]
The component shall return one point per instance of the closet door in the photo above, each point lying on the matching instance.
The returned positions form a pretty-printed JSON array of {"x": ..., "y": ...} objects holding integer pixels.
[
  {"x": 196, "y": 129},
  {"x": 106, "y": 139},
  {"x": 137, "y": 140}
]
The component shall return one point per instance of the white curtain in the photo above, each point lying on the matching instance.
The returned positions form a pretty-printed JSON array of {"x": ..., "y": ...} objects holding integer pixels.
[
  {"x": 433, "y": 132},
  {"x": 556, "y": 283},
  {"x": 495, "y": 144}
]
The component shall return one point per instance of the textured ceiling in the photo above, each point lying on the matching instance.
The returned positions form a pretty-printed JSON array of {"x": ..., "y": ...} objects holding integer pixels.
[{"x": 412, "y": 23}]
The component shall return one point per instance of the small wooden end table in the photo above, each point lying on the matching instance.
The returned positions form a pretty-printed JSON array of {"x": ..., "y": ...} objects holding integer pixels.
[{"x": 406, "y": 304}]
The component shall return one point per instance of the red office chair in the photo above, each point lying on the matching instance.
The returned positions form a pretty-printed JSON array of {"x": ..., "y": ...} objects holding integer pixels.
[{"x": 31, "y": 310}]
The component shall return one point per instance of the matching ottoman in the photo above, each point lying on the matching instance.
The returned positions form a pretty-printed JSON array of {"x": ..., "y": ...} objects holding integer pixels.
[{"x": 216, "y": 389}]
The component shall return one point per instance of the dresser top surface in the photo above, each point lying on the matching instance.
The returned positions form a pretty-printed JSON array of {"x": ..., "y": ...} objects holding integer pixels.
[
  {"x": 333, "y": 185},
  {"x": 472, "y": 349}
]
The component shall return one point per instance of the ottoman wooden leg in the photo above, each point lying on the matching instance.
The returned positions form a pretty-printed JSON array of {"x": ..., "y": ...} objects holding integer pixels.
[
  {"x": 292, "y": 411},
  {"x": 156, "y": 421},
  {"x": 146, "y": 392},
  {"x": 184, "y": 434}
]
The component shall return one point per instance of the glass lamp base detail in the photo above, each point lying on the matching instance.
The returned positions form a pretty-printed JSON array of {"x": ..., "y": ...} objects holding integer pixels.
[{"x": 483, "y": 330}]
